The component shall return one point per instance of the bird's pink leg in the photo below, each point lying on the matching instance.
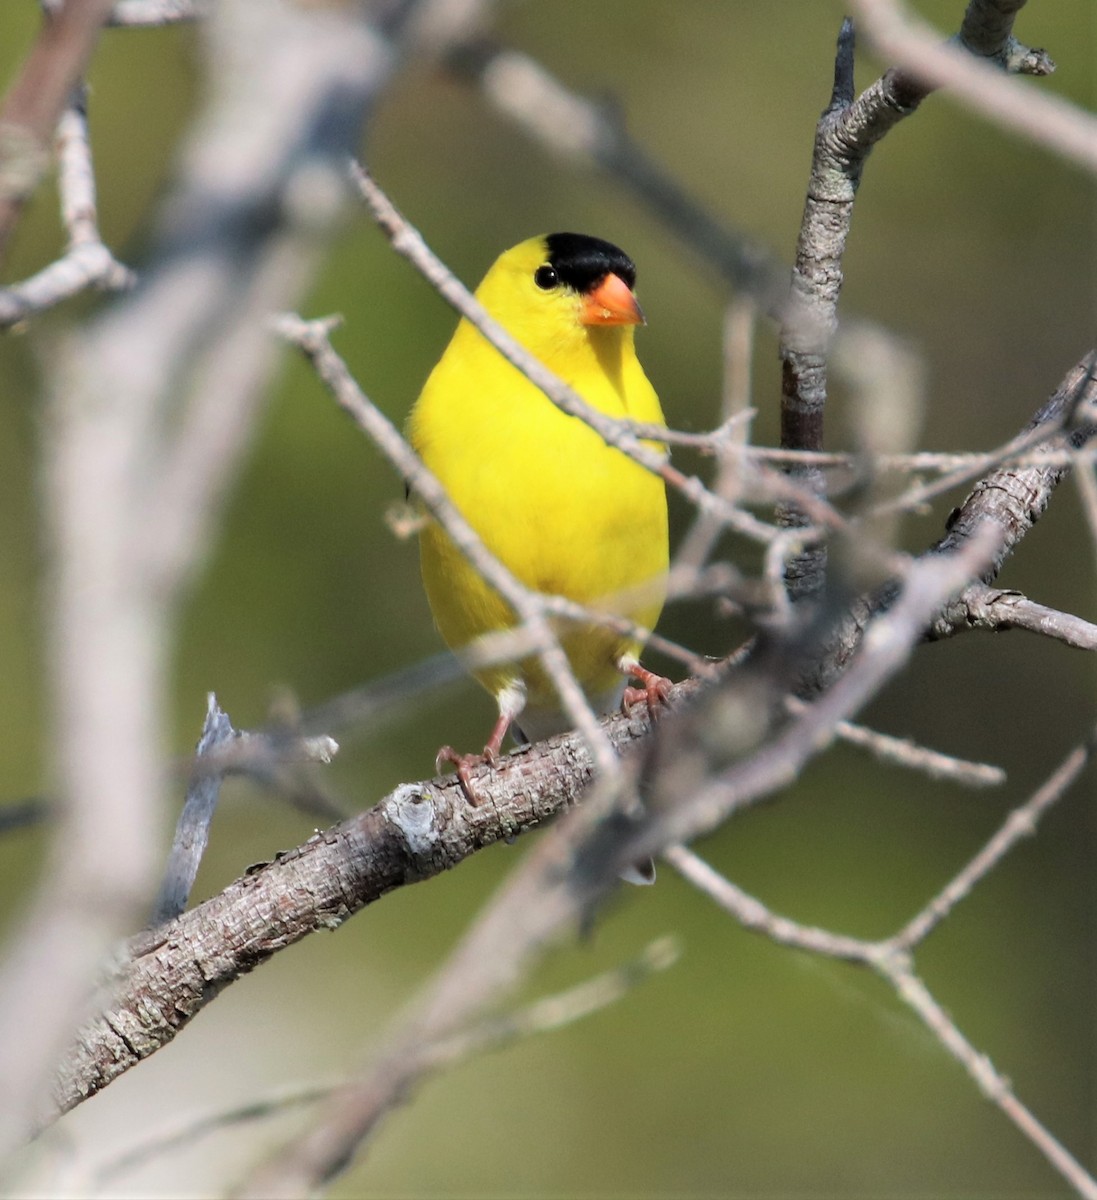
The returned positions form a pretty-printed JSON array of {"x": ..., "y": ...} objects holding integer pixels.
[
  {"x": 511, "y": 702},
  {"x": 654, "y": 689}
]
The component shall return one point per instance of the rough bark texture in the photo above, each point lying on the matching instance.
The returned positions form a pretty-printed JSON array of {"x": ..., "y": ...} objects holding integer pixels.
[
  {"x": 416, "y": 832},
  {"x": 1012, "y": 498}
]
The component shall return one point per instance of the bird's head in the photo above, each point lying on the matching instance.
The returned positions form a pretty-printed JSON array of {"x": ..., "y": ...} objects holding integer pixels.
[{"x": 550, "y": 291}]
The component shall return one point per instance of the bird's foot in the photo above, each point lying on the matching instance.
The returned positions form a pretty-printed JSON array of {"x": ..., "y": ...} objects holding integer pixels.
[
  {"x": 465, "y": 764},
  {"x": 654, "y": 690}
]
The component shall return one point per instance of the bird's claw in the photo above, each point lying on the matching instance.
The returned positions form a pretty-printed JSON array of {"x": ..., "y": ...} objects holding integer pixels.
[
  {"x": 654, "y": 691},
  {"x": 465, "y": 764}
]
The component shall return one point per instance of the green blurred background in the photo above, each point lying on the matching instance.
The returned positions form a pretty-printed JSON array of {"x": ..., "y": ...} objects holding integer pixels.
[{"x": 747, "y": 1069}]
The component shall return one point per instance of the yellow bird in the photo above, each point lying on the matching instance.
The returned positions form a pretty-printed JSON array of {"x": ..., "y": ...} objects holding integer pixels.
[{"x": 567, "y": 514}]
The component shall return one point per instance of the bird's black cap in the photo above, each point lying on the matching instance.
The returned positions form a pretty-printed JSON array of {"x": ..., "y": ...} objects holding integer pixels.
[{"x": 582, "y": 262}]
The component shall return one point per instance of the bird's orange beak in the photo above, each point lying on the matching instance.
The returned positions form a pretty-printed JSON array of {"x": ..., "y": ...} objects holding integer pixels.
[{"x": 611, "y": 303}]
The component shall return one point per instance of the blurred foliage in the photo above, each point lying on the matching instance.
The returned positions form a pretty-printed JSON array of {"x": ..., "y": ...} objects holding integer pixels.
[{"x": 748, "y": 1069}]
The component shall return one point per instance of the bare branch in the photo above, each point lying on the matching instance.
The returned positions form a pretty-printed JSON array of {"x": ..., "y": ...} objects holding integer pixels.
[
  {"x": 891, "y": 960},
  {"x": 545, "y": 1015},
  {"x": 89, "y": 265},
  {"x": 809, "y": 316},
  {"x": 1021, "y": 823},
  {"x": 241, "y": 232},
  {"x": 740, "y": 328},
  {"x": 192, "y": 830},
  {"x": 919, "y": 52},
  {"x": 86, "y": 262},
  {"x": 35, "y": 101},
  {"x": 576, "y": 126},
  {"x": 847, "y": 131},
  {"x": 997, "y": 609},
  {"x": 1014, "y": 498},
  {"x": 675, "y": 814},
  {"x": 221, "y": 749},
  {"x": 995, "y": 1086},
  {"x": 902, "y": 752},
  {"x": 412, "y": 834},
  {"x": 137, "y": 14},
  {"x": 1011, "y": 498},
  {"x": 297, "y": 1171},
  {"x": 1036, "y": 445},
  {"x": 752, "y": 914}
]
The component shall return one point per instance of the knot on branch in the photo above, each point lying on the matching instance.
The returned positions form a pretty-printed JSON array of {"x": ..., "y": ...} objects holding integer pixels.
[{"x": 411, "y": 809}]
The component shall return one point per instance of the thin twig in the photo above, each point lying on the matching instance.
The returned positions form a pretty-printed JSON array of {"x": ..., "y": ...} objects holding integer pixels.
[
  {"x": 87, "y": 262},
  {"x": 1027, "y": 448},
  {"x": 545, "y": 1015},
  {"x": 996, "y": 1087},
  {"x": 573, "y": 125},
  {"x": 891, "y": 961},
  {"x": 192, "y": 830},
  {"x": 740, "y": 328},
  {"x": 721, "y": 441},
  {"x": 903, "y": 752},
  {"x": 752, "y": 914},
  {"x": 220, "y": 750},
  {"x": 996, "y": 609},
  {"x": 34, "y": 102},
  {"x": 293, "y": 1173},
  {"x": 1020, "y": 823},
  {"x": 887, "y": 643},
  {"x": 916, "y": 48}
]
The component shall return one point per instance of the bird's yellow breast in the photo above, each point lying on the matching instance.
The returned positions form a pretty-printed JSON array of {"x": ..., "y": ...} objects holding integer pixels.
[{"x": 567, "y": 514}]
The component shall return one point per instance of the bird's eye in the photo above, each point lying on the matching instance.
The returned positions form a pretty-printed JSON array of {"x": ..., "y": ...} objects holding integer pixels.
[{"x": 546, "y": 278}]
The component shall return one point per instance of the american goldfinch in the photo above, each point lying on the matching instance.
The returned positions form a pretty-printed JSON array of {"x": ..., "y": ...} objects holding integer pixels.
[{"x": 567, "y": 514}]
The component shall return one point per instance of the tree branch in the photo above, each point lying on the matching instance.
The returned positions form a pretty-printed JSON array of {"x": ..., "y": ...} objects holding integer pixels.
[
  {"x": 891, "y": 957},
  {"x": 996, "y": 609},
  {"x": 544, "y": 1015},
  {"x": 414, "y": 833},
  {"x": 35, "y": 101},
  {"x": 1014, "y": 498},
  {"x": 847, "y": 131},
  {"x": 1010, "y": 498},
  {"x": 926, "y": 62},
  {"x": 241, "y": 233},
  {"x": 574, "y": 864},
  {"x": 422, "y": 829},
  {"x": 221, "y": 750},
  {"x": 87, "y": 262}
]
